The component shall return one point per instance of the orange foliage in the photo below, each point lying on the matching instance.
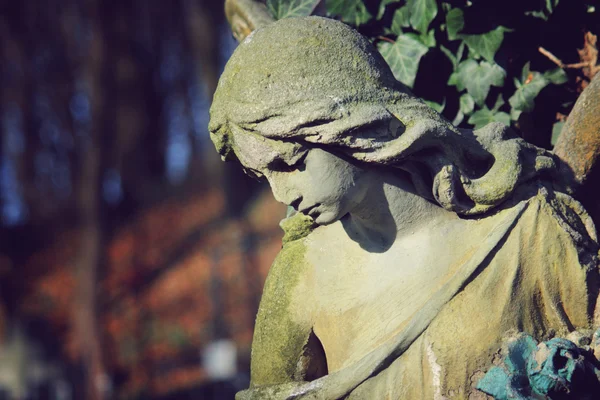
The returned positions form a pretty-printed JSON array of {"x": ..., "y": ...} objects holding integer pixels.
[
  {"x": 180, "y": 378},
  {"x": 153, "y": 312}
]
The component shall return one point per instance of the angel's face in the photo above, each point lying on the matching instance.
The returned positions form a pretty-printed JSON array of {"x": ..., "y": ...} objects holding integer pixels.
[{"x": 311, "y": 180}]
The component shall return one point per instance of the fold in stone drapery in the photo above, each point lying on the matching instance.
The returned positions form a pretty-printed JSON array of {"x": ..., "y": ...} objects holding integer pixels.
[{"x": 341, "y": 383}]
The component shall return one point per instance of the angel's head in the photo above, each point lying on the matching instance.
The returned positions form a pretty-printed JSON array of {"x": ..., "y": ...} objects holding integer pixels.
[{"x": 311, "y": 105}]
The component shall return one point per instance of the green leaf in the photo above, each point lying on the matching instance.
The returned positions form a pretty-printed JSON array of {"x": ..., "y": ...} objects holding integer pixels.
[
  {"x": 556, "y": 130},
  {"x": 517, "y": 83},
  {"x": 426, "y": 39},
  {"x": 401, "y": 20},
  {"x": 525, "y": 72},
  {"x": 280, "y": 9},
  {"x": 486, "y": 44},
  {"x": 352, "y": 12},
  {"x": 453, "y": 81},
  {"x": 450, "y": 56},
  {"x": 454, "y": 23},
  {"x": 422, "y": 12},
  {"x": 436, "y": 106},
  {"x": 523, "y": 98},
  {"x": 544, "y": 13},
  {"x": 515, "y": 114},
  {"x": 460, "y": 51},
  {"x": 499, "y": 103},
  {"x": 460, "y": 116},
  {"x": 403, "y": 58},
  {"x": 467, "y": 104},
  {"x": 477, "y": 78},
  {"x": 537, "y": 14},
  {"x": 454, "y": 59},
  {"x": 557, "y": 76},
  {"x": 382, "y": 7},
  {"x": 485, "y": 116},
  {"x": 551, "y": 5}
]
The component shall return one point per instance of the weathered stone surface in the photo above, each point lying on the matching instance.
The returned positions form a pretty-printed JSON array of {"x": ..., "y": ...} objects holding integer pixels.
[
  {"x": 579, "y": 142},
  {"x": 578, "y": 147},
  {"x": 417, "y": 247}
]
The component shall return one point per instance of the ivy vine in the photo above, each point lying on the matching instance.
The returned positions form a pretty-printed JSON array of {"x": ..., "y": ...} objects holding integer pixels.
[{"x": 483, "y": 78}]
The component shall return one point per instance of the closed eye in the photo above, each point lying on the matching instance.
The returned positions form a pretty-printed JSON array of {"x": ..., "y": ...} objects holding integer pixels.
[
  {"x": 254, "y": 174},
  {"x": 280, "y": 165}
]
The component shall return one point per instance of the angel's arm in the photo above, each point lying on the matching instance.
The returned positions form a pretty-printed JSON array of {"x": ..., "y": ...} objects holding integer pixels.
[{"x": 285, "y": 349}]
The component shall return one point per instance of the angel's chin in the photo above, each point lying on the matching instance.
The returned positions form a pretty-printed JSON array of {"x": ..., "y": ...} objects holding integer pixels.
[{"x": 326, "y": 218}]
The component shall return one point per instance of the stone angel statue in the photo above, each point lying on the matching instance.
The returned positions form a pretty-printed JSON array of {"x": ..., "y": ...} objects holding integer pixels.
[{"x": 416, "y": 249}]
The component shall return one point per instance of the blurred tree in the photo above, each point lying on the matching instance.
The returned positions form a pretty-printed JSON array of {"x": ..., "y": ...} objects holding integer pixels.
[{"x": 104, "y": 113}]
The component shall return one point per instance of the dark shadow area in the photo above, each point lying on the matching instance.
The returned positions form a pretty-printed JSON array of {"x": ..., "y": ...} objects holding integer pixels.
[{"x": 374, "y": 238}]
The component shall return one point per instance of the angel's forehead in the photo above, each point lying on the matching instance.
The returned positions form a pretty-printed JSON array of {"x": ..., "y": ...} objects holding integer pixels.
[{"x": 257, "y": 152}]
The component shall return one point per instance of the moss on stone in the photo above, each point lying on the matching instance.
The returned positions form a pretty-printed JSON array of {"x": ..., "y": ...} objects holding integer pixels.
[
  {"x": 296, "y": 227},
  {"x": 281, "y": 329}
]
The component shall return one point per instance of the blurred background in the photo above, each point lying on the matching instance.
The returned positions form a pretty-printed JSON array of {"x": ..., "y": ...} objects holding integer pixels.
[{"x": 131, "y": 258}]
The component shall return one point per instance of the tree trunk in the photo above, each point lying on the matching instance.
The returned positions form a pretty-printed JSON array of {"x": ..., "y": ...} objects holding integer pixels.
[
  {"x": 579, "y": 147},
  {"x": 88, "y": 200}
]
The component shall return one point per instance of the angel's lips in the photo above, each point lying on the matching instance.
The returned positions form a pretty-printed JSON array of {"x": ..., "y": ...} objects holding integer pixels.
[{"x": 310, "y": 210}]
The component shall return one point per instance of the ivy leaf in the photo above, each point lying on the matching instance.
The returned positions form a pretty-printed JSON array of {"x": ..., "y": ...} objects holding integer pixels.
[
  {"x": 454, "y": 23},
  {"x": 422, "y": 12},
  {"x": 458, "y": 118},
  {"x": 537, "y": 14},
  {"x": 514, "y": 114},
  {"x": 545, "y": 13},
  {"x": 466, "y": 107},
  {"x": 486, "y": 44},
  {"x": 525, "y": 72},
  {"x": 352, "y": 12},
  {"x": 401, "y": 20},
  {"x": 454, "y": 59},
  {"x": 551, "y": 5},
  {"x": 517, "y": 83},
  {"x": 485, "y": 116},
  {"x": 460, "y": 51},
  {"x": 467, "y": 104},
  {"x": 453, "y": 81},
  {"x": 499, "y": 103},
  {"x": 523, "y": 98},
  {"x": 436, "y": 106},
  {"x": 280, "y": 9},
  {"x": 450, "y": 56},
  {"x": 382, "y": 7},
  {"x": 533, "y": 83},
  {"x": 427, "y": 39},
  {"x": 403, "y": 58},
  {"x": 557, "y": 76},
  {"x": 477, "y": 78}
]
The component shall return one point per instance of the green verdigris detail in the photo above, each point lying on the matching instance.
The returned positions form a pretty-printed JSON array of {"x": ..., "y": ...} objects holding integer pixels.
[
  {"x": 555, "y": 369},
  {"x": 416, "y": 247}
]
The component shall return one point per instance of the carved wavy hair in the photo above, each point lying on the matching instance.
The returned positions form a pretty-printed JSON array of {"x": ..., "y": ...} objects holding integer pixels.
[{"x": 316, "y": 81}]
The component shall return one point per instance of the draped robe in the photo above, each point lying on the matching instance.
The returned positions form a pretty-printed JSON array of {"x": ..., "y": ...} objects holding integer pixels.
[{"x": 531, "y": 267}]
